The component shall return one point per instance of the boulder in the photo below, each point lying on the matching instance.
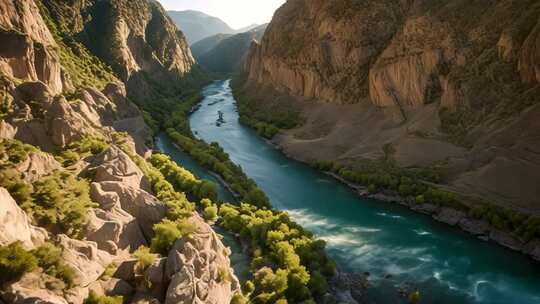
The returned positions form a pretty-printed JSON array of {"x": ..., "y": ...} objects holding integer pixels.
[
  {"x": 115, "y": 165},
  {"x": 138, "y": 203},
  {"x": 476, "y": 227},
  {"x": 428, "y": 209},
  {"x": 7, "y": 131},
  {"x": 112, "y": 287},
  {"x": 36, "y": 165},
  {"x": 113, "y": 230},
  {"x": 532, "y": 248},
  {"x": 65, "y": 125},
  {"x": 193, "y": 266},
  {"x": 85, "y": 258},
  {"x": 15, "y": 224},
  {"x": 506, "y": 239},
  {"x": 449, "y": 216}
]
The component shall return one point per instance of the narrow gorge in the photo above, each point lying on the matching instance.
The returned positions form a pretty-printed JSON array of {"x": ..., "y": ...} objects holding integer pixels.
[{"x": 348, "y": 151}]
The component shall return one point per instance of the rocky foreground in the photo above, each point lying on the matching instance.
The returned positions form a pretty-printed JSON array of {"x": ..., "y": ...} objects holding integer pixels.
[{"x": 72, "y": 145}]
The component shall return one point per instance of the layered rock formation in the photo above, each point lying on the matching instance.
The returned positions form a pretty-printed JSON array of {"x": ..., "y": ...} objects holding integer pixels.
[
  {"x": 52, "y": 104},
  {"x": 450, "y": 83}
]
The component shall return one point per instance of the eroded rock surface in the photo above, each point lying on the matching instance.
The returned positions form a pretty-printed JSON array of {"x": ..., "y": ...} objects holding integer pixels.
[{"x": 199, "y": 269}]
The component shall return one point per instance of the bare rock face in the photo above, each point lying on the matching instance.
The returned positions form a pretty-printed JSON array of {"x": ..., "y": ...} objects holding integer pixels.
[
  {"x": 85, "y": 258},
  {"x": 146, "y": 41},
  {"x": 416, "y": 75},
  {"x": 33, "y": 288},
  {"x": 36, "y": 165},
  {"x": 199, "y": 269},
  {"x": 115, "y": 165},
  {"x": 29, "y": 55},
  {"x": 15, "y": 224},
  {"x": 138, "y": 203}
]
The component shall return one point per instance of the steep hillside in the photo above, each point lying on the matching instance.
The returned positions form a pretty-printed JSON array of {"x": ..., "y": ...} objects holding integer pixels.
[
  {"x": 447, "y": 85},
  {"x": 85, "y": 214},
  {"x": 228, "y": 55},
  {"x": 197, "y": 25},
  {"x": 203, "y": 46},
  {"x": 135, "y": 38}
]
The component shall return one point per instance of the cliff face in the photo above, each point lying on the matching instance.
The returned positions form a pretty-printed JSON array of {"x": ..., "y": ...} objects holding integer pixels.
[
  {"x": 136, "y": 38},
  {"x": 72, "y": 150},
  {"x": 441, "y": 81}
]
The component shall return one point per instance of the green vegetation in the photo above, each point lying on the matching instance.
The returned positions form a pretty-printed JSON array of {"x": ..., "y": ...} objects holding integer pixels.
[
  {"x": 267, "y": 122},
  {"x": 80, "y": 149},
  {"x": 182, "y": 179},
  {"x": 84, "y": 69},
  {"x": 59, "y": 202},
  {"x": 50, "y": 260},
  {"x": 13, "y": 152},
  {"x": 93, "y": 298},
  {"x": 210, "y": 213},
  {"x": 167, "y": 232},
  {"x": 178, "y": 204},
  {"x": 418, "y": 184},
  {"x": 288, "y": 263},
  {"x": 145, "y": 258},
  {"x": 522, "y": 226},
  {"x": 15, "y": 261},
  {"x": 215, "y": 159}
]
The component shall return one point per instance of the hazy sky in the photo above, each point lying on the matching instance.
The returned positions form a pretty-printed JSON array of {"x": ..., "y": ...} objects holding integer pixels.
[{"x": 237, "y": 13}]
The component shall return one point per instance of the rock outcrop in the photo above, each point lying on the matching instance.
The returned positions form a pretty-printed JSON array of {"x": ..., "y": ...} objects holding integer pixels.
[
  {"x": 199, "y": 268},
  {"x": 440, "y": 82},
  {"x": 15, "y": 224},
  {"x": 56, "y": 93}
]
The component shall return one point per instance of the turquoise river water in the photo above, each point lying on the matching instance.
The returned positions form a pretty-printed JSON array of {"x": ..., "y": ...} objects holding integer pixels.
[{"x": 447, "y": 265}]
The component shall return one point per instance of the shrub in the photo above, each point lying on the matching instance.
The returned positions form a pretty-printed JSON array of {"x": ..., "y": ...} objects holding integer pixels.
[
  {"x": 144, "y": 258},
  {"x": 238, "y": 298},
  {"x": 13, "y": 152},
  {"x": 93, "y": 298},
  {"x": 224, "y": 275},
  {"x": 50, "y": 259},
  {"x": 167, "y": 232},
  {"x": 249, "y": 287},
  {"x": 60, "y": 202},
  {"x": 210, "y": 213},
  {"x": 14, "y": 262}
]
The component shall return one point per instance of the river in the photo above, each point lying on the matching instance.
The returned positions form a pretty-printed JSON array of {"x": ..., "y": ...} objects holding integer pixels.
[{"x": 447, "y": 265}]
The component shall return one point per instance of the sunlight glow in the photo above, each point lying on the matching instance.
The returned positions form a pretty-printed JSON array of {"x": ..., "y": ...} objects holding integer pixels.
[{"x": 236, "y": 13}]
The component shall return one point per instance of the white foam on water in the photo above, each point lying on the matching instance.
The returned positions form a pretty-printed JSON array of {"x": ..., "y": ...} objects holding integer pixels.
[
  {"x": 421, "y": 232},
  {"x": 384, "y": 214}
]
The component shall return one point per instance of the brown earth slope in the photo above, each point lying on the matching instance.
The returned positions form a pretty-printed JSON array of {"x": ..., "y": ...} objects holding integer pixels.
[{"x": 454, "y": 82}]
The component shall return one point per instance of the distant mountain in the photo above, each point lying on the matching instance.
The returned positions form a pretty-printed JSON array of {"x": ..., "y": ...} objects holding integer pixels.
[
  {"x": 247, "y": 28},
  {"x": 229, "y": 52},
  {"x": 203, "y": 46},
  {"x": 197, "y": 25}
]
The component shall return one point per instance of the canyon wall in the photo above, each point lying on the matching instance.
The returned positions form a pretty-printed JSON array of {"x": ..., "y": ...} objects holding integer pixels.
[
  {"x": 73, "y": 177},
  {"x": 453, "y": 83}
]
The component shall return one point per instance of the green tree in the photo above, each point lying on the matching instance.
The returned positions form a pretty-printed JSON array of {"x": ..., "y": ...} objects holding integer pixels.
[{"x": 14, "y": 262}]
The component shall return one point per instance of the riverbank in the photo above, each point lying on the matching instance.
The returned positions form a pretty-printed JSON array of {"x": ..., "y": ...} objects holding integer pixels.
[
  {"x": 450, "y": 216},
  {"x": 479, "y": 228}
]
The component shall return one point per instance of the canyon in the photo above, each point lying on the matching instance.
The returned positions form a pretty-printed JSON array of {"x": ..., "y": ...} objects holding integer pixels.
[{"x": 452, "y": 85}]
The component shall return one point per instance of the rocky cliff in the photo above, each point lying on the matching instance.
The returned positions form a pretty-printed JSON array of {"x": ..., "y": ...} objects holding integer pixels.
[
  {"x": 447, "y": 83},
  {"x": 78, "y": 201}
]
